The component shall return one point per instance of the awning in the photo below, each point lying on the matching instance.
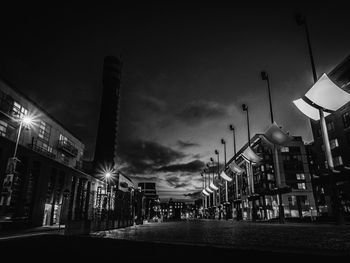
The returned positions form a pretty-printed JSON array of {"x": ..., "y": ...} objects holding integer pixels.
[
  {"x": 326, "y": 94},
  {"x": 208, "y": 190},
  {"x": 276, "y": 135},
  {"x": 250, "y": 156},
  {"x": 235, "y": 168},
  {"x": 224, "y": 176},
  {"x": 205, "y": 192},
  {"x": 308, "y": 110},
  {"x": 213, "y": 186}
]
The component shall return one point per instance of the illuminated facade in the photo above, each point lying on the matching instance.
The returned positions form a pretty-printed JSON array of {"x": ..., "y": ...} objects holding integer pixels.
[
  {"x": 49, "y": 186},
  {"x": 257, "y": 196}
]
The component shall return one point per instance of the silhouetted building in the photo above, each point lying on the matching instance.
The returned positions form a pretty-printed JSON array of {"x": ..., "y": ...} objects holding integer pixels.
[{"x": 108, "y": 122}]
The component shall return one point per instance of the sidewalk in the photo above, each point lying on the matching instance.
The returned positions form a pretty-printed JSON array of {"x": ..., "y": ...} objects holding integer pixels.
[{"x": 35, "y": 231}]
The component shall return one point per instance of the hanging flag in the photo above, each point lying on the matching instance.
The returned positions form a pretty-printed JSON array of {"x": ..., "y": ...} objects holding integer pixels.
[
  {"x": 250, "y": 156},
  {"x": 235, "y": 168},
  {"x": 224, "y": 176}
]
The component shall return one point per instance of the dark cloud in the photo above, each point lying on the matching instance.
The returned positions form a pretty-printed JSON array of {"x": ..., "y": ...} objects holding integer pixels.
[
  {"x": 187, "y": 144},
  {"x": 144, "y": 157},
  {"x": 198, "y": 111},
  {"x": 193, "y": 195},
  {"x": 176, "y": 182},
  {"x": 192, "y": 167}
]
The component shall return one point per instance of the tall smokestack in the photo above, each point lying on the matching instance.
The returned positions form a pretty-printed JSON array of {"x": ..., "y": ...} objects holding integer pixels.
[{"x": 107, "y": 126}]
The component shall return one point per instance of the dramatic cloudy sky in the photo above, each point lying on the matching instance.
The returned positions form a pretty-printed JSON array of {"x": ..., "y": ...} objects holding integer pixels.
[{"x": 187, "y": 69}]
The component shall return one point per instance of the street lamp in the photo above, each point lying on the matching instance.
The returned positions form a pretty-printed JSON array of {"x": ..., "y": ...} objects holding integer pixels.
[
  {"x": 24, "y": 121},
  {"x": 323, "y": 109},
  {"x": 234, "y": 139},
  {"x": 245, "y": 108}
]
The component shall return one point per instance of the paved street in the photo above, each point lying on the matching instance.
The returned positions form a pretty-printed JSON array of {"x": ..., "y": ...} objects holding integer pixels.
[{"x": 304, "y": 238}]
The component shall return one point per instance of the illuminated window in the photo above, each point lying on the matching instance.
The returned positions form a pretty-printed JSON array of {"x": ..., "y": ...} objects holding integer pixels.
[
  {"x": 284, "y": 149},
  {"x": 301, "y": 186},
  {"x": 346, "y": 119},
  {"x": 18, "y": 111},
  {"x": 300, "y": 176},
  {"x": 44, "y": 131},
  {"x": 337, "y": 161},
  {"x": 3, "y": 127}
]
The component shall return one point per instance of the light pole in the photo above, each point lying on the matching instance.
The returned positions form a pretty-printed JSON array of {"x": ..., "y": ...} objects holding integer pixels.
[
  {"x": 26, "y": 120},
  {"x": 108, "y": 175},
  {"x": 301, "y": 21},
  {"x": 226, "y": 190},
  {"x": 219, "y": 206},
  {"x": 249, "y": 166},
  {"x": 265, "y": 76},
  {"x": 214, "y": 192},
  {"x": 245, "y": 108},
  {"x": 236, "y": 175}
]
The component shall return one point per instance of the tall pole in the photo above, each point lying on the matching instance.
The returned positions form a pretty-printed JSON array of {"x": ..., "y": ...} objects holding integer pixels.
[
  {"x": 18, "y": 136},
  {"x": 245, "y": 108},
  {"x": 236, "y": 175},
  {"x": 219, "y": 206},
  {"x": 265, "y": 76},
  {"x": 301, "y": 20}
]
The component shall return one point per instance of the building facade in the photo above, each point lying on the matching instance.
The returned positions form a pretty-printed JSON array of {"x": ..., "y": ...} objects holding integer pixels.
[
  {"x": 256, "y": 197},
  {"x": 338, "y": 126},
  {"x": 47, "y": 185}
]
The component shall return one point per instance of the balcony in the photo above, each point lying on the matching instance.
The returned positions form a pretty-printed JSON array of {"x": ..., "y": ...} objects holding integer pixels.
[
  {"x": 35, "y": 147},
  {"x": 67, "y": 148}
]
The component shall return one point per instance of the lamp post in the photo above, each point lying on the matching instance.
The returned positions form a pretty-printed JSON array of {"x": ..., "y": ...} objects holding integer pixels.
[
  {"x": 26, "y": 120},
  {"x": 301, "y": 21},
  {"x": 236, "y": 175},
  {"x": 214, "y": 192},
  {"x": 249, "y": 166},
  {"x": 265, "y": 76},
  {"x": 226, "y": 190},
  {"x": 245, "y": 108},
  {"x": 219, "y": 206},
  {"x": 108, "y": 175}
]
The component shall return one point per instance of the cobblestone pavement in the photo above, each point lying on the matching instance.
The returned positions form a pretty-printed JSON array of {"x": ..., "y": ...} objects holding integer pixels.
[{"x": 298, "y": 238}]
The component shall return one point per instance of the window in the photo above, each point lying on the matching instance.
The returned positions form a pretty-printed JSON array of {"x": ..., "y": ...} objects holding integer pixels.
[
  {"x": 346, "y": 119},
  {"x": 301, "y": 186},
  {"x": 300, "y": 176},
  {"x": 44, "y": 131},
  {"x": 44, "y": 146},
  {"x": 19, "y": 111},
  {"x": 330, "y": 126},
  {"x": 3, "y": 127},
  {"x": 334, "y": 143},
  {"x": 337, "y": 161},
  {"x": 284, "y": 149}
]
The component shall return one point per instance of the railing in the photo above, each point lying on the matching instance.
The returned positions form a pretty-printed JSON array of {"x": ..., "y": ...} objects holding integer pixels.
[
  {"x": 68, "y": 148},
  {"x": 42, "y": 150}
]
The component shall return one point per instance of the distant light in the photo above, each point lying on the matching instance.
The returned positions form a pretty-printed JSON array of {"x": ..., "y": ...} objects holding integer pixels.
[{"x": 108, "y": 175}]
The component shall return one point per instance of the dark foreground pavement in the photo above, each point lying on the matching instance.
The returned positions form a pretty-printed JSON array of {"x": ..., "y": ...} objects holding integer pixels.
[{"x": 58, "y": 248}]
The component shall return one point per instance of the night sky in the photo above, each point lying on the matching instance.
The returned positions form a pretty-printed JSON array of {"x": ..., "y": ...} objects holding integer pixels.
[{"x": 186, "y": 71}]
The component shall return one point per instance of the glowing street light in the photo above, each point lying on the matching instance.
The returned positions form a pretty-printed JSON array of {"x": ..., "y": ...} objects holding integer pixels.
[{"x": 24, "y": 121}]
